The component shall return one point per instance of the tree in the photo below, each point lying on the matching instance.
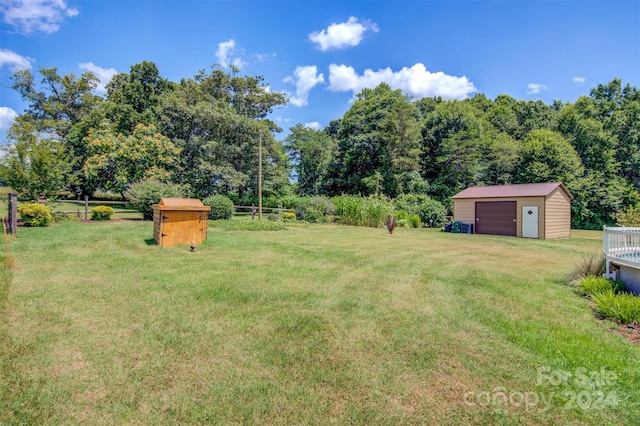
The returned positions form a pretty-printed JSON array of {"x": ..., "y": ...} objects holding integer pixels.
[
  {"x": 132, "y": 98},
  {"x": 34, "y": 167},
  {"x": 546, "y": 156},
  {"x": 59, "y": 101},
  {"x": 378, "y": 142},
  {"x": 311, "y": 152},
  {"x": 216, "y": 120},
  {"x": 116, "y": 161}
]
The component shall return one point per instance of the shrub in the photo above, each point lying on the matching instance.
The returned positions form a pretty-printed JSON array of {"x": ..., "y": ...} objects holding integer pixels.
[
  {"x": 221, "y": 207},
  {"x": 288, "y": 216},
  {"x": 401, "y": 215},
  {"x": 622, "y": 307},
  {"x": 101, "y": 213},
  {"x": 431, "y": 212},
  {"x": 35, "y": 214},
  {"x": 145, "y": 193},
  {"x": 315, "y": 210},
  {"x": 403, "y": 223},
  {"x": 414, "y": 221}
]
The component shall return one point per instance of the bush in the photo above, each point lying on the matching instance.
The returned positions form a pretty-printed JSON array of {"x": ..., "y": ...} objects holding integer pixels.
[
  {"x": 315, "y": 210},
  {"x": 101, "y": 213},
  {"x": 431, "y": 212},
  {"x": 35, "y": 214},
  {"x": 221, "y": 207},
  {"x": 145, "y": 193},
  {"x": 288, "y": 216},
  {"x": 414, "y": 221}
]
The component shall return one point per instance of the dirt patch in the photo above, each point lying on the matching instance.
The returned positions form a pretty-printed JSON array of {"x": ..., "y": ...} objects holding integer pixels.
[{"x": 629, "y": 331}]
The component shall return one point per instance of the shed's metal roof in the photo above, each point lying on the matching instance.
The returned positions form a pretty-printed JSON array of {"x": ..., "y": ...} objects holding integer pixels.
[{"x": 521, "y": 190}]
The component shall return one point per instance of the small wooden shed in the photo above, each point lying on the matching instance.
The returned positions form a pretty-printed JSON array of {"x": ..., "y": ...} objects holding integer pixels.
[
  {"x": 180, "y": 221},
  {"x": 533, "y": 210}
]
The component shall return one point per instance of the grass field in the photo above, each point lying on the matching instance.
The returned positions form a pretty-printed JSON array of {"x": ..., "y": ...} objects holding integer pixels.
[{"x": 310, "y": 325}]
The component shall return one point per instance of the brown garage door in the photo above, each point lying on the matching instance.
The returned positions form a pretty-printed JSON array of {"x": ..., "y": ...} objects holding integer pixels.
[{"x": 496, "y": 217}]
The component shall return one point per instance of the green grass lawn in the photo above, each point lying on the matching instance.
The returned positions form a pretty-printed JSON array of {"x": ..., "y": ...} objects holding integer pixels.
[{"x": 310, "y": 325}]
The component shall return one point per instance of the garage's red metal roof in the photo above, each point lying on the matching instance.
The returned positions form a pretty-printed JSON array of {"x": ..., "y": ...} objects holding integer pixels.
[{"x": 521, "y": 190}]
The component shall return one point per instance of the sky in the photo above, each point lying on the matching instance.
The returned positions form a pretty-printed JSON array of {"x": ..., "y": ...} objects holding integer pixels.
[{"x": 322, "y": 53}]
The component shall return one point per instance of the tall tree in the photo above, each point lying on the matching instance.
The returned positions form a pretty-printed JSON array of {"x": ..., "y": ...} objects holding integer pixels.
[
  {"x": 311, "y": 152},
  {"x": 378, "y": 142}
]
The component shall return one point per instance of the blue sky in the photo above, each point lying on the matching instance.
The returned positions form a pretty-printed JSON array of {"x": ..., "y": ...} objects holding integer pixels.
[{"x": 323, "y": 52}]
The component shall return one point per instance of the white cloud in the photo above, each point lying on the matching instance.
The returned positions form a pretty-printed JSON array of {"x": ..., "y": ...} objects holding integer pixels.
[
  {"x": 416, "y": 81},
  {"x": 226, "y": 52},
  {"x": 534, "y": 88},
  {"x": 14, "y": 61},
  {"x": 340, "y": 36},
  {"x": 579, "y": 79},
  {"x": 30, "y": 16},
  {"x": 313, "y": 125},
  {"x": 305, "y": 79},
  {"x": 262, "y": 57},
  {"x": 103, "y": 74},
  {"x": 7, "y": 115}
]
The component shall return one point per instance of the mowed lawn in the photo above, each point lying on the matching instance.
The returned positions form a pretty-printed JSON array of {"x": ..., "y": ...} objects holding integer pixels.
[{"x": 316, "y": 324}]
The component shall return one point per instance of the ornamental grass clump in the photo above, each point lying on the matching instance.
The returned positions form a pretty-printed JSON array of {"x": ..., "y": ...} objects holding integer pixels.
[
  {"x": 101, "y": 213},
  {"x": 35, "y": 214},
  {"x": 611, "y": 299}
]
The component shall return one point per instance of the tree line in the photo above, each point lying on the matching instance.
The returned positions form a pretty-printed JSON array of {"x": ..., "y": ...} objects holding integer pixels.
[{"x": 201, "y": 134}]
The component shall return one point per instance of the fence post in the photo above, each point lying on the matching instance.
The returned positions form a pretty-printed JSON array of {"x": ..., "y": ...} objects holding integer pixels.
[
  {"x": 13, "y": 213},
  {"x": 86, "y": 207}
]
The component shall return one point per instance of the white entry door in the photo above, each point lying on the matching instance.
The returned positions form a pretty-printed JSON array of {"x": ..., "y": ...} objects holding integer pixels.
[{"x": 530, "y": 221}]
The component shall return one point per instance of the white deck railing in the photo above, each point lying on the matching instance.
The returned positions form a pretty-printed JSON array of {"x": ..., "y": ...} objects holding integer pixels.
[{"x": 621, "y": 246}]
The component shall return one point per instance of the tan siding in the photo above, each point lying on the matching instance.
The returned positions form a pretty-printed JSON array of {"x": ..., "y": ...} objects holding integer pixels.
[
  {"x": 464, "y": 210},
  {"x": 532, "y": 201},
  {"x": 558, "y": 221}
]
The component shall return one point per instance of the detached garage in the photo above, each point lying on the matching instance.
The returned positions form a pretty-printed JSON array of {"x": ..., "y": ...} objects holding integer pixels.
[{"x": 532, "y": 210}]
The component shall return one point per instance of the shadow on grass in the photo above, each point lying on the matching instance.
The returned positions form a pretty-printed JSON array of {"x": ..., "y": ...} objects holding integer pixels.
[{"x": 150, "y": 242}]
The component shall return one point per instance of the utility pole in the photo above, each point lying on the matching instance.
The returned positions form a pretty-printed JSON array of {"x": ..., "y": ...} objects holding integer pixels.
[{"x": 260, "y": 176}]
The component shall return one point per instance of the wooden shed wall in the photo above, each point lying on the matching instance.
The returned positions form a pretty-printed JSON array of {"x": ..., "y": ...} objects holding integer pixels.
[{"x": 558, "y": 215}]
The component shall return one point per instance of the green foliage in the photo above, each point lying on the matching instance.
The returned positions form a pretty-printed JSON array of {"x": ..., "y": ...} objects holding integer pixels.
[
  {"x": 115, "y": 160},
  {"x": 221, "y": 207},
  {"x": 288, "y": 216},
  {"x": 431, "y": 212},
  {"x": 629, "y": 216},
  {"x": 33, "y": 167},
  {"x": 101, "y": 213},
  {"x": 621, "y": 307},
  {"x": 315, "y": 209},
  {"x": 362, "y": 211},
  {"x": 414, "y": 221},
  {"x": 611, "y": 299},
  {"x": 35, "y": 214},
  {"x": 145, "y": 193},
  {"x": 592, "y": 284}
]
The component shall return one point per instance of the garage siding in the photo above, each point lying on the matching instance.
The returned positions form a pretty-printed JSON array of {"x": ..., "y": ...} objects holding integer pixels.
[{"x": 558, "y": 218}]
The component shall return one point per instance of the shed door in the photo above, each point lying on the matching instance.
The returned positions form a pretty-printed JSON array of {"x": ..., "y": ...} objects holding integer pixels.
[
  {"x": 496, "y": 217},
  {"x": 530, "y": 221}
]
